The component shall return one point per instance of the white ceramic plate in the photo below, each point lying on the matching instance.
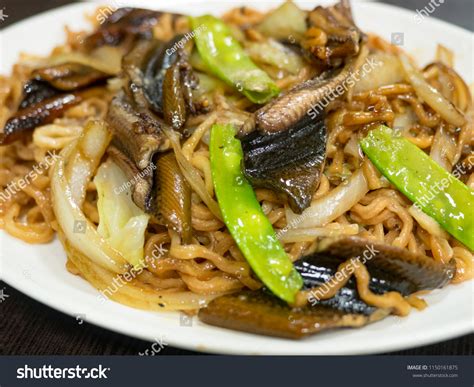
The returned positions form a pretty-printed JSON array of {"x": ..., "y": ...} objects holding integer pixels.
[{"x": 39, "y": 272}]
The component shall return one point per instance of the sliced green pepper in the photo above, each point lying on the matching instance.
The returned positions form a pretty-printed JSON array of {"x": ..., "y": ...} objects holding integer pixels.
[
  {"x": 434, "y": 190},
  {"x": 244, "y": 218},
  {"x": 224, "y": 56}
]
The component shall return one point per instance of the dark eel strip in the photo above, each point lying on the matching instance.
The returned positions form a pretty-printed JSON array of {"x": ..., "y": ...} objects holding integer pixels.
[
  {"x": 158, "y": 83},
  {"x": 124, "y": 26},
  {"x": 341, "y": 57},
  {"x": 155, "y": 72},
  {"x": 261, "y": 313},
  {"x": 43, "y": 112},
  {"x": 174, "y": 104},
  {"x": 289, "y": 162},
  {"x": 137, "y": 133},
  {"x": 136, "y": 114},
  {"x": 158, "y": 186},
  {"x": 391, "y": 269},
  {"x": 45, "y": 96},
  {"x": 69, "y": 76},
  {"x": 159, "y": 189},
  {"x": 305, "y": 99},
  {"x": 398, "y": 268},
  {"x": 342, "y": 35},
  {"x": 173, "y": 196},
  {"x": 50, "y": 92},
  {"x": 161, "y": 79},
  {"x": 142, "y": 182},
  {"x": 169, "y": 81},
  {"x": 35, "y": 91}
]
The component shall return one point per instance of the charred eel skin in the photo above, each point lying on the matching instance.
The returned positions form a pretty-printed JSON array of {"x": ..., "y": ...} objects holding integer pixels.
[
  {"x": 289, "y": 162},
  {"x": 391, "y": 269}
]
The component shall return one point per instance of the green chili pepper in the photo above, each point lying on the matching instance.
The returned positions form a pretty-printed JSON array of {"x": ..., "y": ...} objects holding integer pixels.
[
  {"x": 244, "y": 218},
  {"x": 224, "y": 57},
  {"x": 435, "y": 191}
]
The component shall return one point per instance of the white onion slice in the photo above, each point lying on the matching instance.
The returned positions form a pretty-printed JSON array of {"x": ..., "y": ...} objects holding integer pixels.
[
  {"x": 385, "y": 70},
  {"x": 443, "y": 149},
  {"x": 310, "y": 234},
  {"x": 427, "y": 222},
  {"x": 431, "y": 95},
  {"x": 404, "y": 121},
  {"x": 353, "y": 148},
  {"x": 192, "y": 176},
  {"x": 106, "y": 59},
  {"x": 79, "y": 231},
  {"x": 331, "y": 206}
]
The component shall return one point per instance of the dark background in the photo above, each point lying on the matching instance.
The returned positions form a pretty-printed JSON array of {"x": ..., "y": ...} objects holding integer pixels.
[{"x": 28, "y": 327}]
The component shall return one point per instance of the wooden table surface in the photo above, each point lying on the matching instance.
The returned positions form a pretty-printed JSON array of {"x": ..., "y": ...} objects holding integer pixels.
[{"x": 28, "y": 327}]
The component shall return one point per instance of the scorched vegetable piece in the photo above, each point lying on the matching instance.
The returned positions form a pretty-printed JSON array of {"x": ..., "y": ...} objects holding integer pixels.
[
  {"x": 423, "y": 181},
  {"x": 245, "y": 219},
  {"x": 224, "y": 56}
]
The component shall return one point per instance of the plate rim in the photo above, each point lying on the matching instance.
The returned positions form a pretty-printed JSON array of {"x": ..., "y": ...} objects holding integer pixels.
[{"x": 456, "y": 330}]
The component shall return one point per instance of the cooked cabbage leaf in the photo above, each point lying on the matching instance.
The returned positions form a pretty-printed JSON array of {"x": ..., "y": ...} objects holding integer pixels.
[{"x": 121, "y": 222}]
